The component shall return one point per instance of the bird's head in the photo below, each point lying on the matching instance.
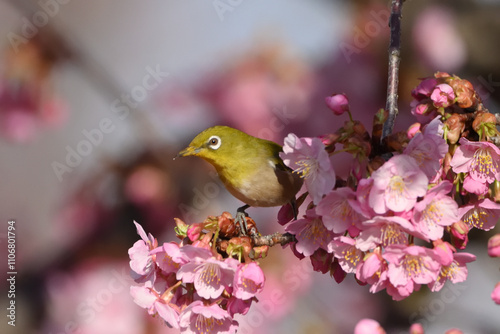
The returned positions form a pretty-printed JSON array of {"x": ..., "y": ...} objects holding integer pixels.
[{"x": 216, "y": 144}]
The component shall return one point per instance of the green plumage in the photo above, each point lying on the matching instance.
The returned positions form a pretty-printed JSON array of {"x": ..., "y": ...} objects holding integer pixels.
[{"x": 249, "y": 167}]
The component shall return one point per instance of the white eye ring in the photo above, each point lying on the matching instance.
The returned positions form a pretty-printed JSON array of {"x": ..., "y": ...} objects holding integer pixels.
[{"x": 214, "y": 142}]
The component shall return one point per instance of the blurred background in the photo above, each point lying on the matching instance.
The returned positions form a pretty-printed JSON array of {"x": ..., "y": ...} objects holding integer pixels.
[{"x": 97, "y": 97}]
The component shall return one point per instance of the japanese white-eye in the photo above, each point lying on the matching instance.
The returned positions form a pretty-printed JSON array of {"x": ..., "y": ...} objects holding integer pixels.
[{"x": 250, "y": 168}]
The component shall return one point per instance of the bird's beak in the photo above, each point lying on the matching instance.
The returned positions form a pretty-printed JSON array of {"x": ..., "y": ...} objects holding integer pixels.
[{"x": 190, "y": 150}]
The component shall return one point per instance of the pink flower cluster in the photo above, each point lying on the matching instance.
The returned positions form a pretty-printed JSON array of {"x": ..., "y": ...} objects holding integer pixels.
[
  {"x": 394, "y": 225},
  {"x": 190, "y": 285},
  {"x": 435, "y": 95},
  {"x": 370, "y": 326},
  {"x": 371, "y": 230}
]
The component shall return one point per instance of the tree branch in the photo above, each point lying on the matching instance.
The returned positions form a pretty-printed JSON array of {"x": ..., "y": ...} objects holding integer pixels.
[
  {"x": 273, "y": 239},
  {"x": 394, "y": 60}
]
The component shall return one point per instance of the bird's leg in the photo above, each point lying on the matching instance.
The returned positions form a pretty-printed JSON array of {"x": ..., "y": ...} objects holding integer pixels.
[{"x": 241, "y": 218}]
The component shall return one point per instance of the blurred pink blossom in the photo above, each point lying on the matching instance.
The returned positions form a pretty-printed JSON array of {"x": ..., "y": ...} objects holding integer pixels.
[
  {"x": 416, "y": 329},
  {"x": 368, "y": 326},
  {"x": 495, "y": 295},
  {"x": 494, "y": 246},
  {"x": 438, "y": 40}
]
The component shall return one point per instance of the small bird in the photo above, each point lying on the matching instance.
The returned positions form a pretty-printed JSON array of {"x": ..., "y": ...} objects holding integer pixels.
[{"x": 250, "y": 168}]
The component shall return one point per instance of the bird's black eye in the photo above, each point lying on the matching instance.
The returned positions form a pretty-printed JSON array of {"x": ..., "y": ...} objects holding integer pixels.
[{"x": 214, "y": 142}]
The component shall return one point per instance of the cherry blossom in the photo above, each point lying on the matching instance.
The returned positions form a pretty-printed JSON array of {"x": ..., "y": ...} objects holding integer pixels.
[
  {"x": 481, "y": 160},
  {"x": 310, "y": 232},
  {"x": 337, "y": 213},
  {"x": 307, "y": 156},
  {"x": 435, "y": 211},
  {"x": 248, "y": 281},
  {"x": 482, "y": 214},
  {"x": 397, "y": 184},
  {"x": 442, "y": 95},
  {"x": 198, "y": 318}
]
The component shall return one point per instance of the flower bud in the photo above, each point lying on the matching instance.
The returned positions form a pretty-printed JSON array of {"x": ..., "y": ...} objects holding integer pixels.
[
  {"x": 375, "y": 163},
  {"x": 227, "y": 226},
  {"x": 443, "y": 96},
  {"x": 496, "y": 191},
  {"x": 424, "y": 88},
  {"x": 337, "y": 272},
  {"x": 416, "y": 329},
  {"x": 465, "y": 94},
  {"x": 420, "y": 109},
  {"x": 495, "y": 295},
  {"x": 260, "y": 252},
  {"x": 223, "y": 245},
  {"x": 485, "y": 122},
  {"x": 444, "y": 251},
  {"x": 459, "y": 234},
  {"x": 329, "y": 140},
  {"x": 321, "y": 260},
  {"x": 239, "y": 244},
  {"x": 359, "y": 128},
  {"x": 194, "y": 231},
  {"x": 455, "y": 125},
  {"x": 181, "y": 228},
  {"x": 494, "y": 246},
  {"x": 413, "y": 130},
  {"x": 446, "y": 163},
  {"x": 338, "y": 103},
  {"x": 444, "y": 75},
  {"x": 251, "y": 226},
  {"x": 368, "y": 326},
  {"x": 454, "y": 331}
]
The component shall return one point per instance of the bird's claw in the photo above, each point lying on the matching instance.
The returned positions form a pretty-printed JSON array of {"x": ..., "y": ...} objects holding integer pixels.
[{"x": 241, "y": 218}]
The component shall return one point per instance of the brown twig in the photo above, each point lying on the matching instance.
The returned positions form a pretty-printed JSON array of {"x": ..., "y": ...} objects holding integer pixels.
[
  {"x": 394, "y": 60},
  {"x": 273, "y": 239}
]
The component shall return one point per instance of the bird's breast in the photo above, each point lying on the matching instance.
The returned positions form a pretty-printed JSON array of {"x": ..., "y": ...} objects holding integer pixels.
[{"x": 265, "y": 186}]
